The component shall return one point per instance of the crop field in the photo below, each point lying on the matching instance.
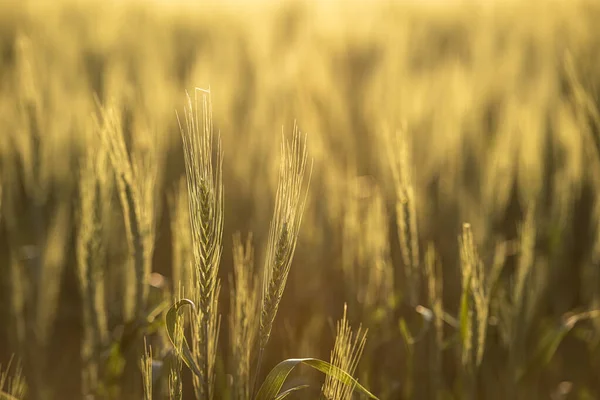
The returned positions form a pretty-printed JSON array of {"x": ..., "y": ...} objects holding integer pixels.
[{"x": 267, "y": 199}]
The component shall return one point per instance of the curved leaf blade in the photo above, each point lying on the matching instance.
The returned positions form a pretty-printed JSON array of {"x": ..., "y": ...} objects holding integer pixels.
[
  {"x": 171, "y": 322},
  {"x": 339, "y": 374},
  {"x": 273, "y": 383},
  {"x": 289, "y": 391}
]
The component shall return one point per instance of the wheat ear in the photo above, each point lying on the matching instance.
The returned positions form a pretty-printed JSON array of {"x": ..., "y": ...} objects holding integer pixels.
[
  {"x": 90, "y": 259},
  {"x": 136, "y": 180},
  {"x": 283, "y": 232},
  {"x": 346, "y": 354},
  {"x": 205, "y": 190},
  {"x": 406, "y": 215}
]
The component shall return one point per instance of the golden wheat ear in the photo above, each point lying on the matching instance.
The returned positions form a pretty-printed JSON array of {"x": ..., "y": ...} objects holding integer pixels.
[
  {"x": 205, "y": 193},
  {"x": 290, "y": 201},
  {"x": 136, "y": 176},
  {"x": 346, "y": 354},
  {"x": 397, "y": 147}
]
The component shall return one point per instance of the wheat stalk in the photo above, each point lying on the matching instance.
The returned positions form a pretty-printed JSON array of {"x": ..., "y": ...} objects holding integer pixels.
[
  {"x": 283, "y": 232},
  {"x": 38, "y": 233},
  {"x": 205, "y": 191},
  {"x": 406, "y": 215},
  {"x": 522, "y": 300},
  {"x": 175, "y": 376},
  {"x": 527, "y": 238},
  {"x": 243, "y": 321},
  {"x": 477, "y": 288},
  {"x": 433, "y": 272},
  {"x": 136, "y": 181},
  {"x": 366, "y": 253},
  {"x": 90, "y": 261}
]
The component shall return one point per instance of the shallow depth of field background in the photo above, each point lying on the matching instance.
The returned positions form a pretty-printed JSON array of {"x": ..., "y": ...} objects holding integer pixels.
[{"x": 498, "y": 103}]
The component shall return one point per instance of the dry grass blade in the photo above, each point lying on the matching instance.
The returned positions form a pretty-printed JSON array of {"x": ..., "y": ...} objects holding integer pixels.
[
  {"x": 205, "y": 192},
  {"x": 346, "y": 354}
]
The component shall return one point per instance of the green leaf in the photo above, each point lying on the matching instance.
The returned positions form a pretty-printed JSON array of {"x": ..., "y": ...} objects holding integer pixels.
[
  {"x": 287, "y": 392},
  {"x": 184, "y": 352},
  {"x": 548, "y": 345},
  {"x": 273, "y": 383}
]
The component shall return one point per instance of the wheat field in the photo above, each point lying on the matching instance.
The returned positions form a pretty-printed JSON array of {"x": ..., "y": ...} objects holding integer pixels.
[{"x": 268, "y": 199}]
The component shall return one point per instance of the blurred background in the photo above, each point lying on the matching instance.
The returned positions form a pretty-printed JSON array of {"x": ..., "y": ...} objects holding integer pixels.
[{"x": 421, "y": 116}]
